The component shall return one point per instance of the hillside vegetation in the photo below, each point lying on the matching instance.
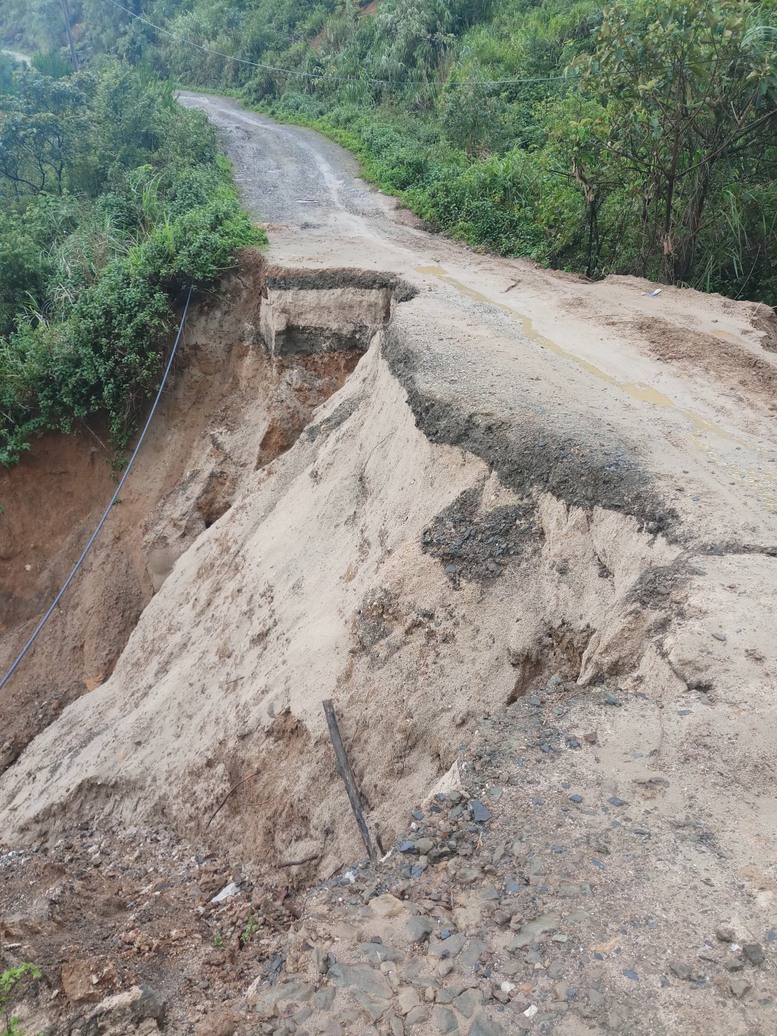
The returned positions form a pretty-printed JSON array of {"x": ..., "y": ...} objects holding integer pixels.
[
  {"x": 640, "y": 138},
  {"x": 113, "y": 200}
]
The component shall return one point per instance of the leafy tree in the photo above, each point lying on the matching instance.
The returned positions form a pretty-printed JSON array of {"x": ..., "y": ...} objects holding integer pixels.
[
  {"x": 41, "y": 127},
  {"x": 683, "y": 103},
  {"x": 113, "y": 200}
]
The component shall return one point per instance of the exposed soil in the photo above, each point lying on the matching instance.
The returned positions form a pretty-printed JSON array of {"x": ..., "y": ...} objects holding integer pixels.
[
  {"x": 725, "y": 361},
  {"x": 233, "y": 410},
  {"x": 522, "y": 536}
]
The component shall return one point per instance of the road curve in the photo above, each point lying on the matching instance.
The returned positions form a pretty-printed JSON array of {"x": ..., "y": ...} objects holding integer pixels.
[
  {"x": 23, "y": 59},
  {"x": 558, "y": 360}
]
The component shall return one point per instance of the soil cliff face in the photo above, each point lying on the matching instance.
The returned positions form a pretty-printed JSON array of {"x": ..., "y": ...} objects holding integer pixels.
[
  {"x": 517, "y": 591},
  {"x": 400, "y": 574},
  {"x": 231, "y": 407}
]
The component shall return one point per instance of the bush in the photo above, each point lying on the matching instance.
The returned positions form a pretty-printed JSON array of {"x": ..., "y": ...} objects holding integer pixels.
[{"x": 90, "y": 285}]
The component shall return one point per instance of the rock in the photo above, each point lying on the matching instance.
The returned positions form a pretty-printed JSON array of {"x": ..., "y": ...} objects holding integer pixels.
[
  {"x": 740, "y": 987},
  {"x": 396, "y": 1028},
  {"x": 374, "y": 1007},
  {"x": 681, "y": 969},
  {"x": 291, "y": 990},
  {"x": 124, "y": 1013},
  {"x": 467, "y": 875},
  {"x": 324, "y": 998},
  {"x": 417, "y": 1016},
  {"x": 386, "y": 906},
  {"x": 468, "y": 1001},
  {"x": 363, "y": 977},
  {"x": 407, "y": 999},
  {"x": 448, "y": 994},
  {"x": 227, "y": 892},
  {"x": 221, "y": 1022},
  {"x": 725, "y": 933},
  {"x": 424, "y": 845},
  {"x": 735, "y": 964},
  {"x": 632, "y": 975},
  {"x": 447, "y": 948},
  {"x": 480, "y": 813},
  {"x": 418, "y": 928},
  {"x": 378, "y": 952},
  {"x": 481, "y": 1026},
  {"x": 615, "y": 801},
  {"x": 577, "y": 799},
  {"x": 532, "y": 929},
  {"x": 754, "y": 952},
  {"x": 473, "y": 951},
  {"x": 320, "y": 960},
  {"x": 444, "y": 1020},
  {"x": 87, "y": 981}
]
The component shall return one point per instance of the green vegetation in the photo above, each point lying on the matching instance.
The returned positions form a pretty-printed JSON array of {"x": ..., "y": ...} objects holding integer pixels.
[
  {"x": 251, "y": 926},
  {"x": 113, "y": 200},
  {"x": 12, "y": 983},
  {"x": 640, "y": 138}
]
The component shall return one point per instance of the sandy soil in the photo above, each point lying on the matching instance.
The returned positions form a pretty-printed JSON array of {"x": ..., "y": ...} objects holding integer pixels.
[{"x": 534, "y": 531}]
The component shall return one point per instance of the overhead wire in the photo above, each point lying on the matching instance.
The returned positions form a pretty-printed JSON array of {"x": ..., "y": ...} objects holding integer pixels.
[
  {"x": 329, "y": 76},
  {"x": 113, "y": 500}
]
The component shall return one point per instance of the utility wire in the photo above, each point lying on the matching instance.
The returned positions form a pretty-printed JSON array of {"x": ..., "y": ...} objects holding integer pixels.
[
  {"x": 114, "y": 498},
  {"x": 327, "y": 76}
]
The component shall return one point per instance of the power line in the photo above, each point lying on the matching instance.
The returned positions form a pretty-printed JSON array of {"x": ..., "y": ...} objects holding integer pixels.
[
  {"x": 245, "y": 61},
  {"x": 334, "y": 78},
  {"x": 114, "y": 498}
]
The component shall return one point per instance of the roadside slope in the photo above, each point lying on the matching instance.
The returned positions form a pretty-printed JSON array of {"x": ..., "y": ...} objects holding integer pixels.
[{"x": 525, "y": 502}]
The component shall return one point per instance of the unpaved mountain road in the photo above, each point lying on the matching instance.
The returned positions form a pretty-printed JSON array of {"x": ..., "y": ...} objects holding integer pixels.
[{"x": 678, "y": 384}]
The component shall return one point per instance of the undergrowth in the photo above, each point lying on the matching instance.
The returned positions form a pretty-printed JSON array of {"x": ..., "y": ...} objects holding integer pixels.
[{"x": 113, "y": 200}]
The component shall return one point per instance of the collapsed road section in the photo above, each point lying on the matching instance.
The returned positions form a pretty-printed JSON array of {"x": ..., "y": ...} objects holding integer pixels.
[{"x": 532, "y": 566}]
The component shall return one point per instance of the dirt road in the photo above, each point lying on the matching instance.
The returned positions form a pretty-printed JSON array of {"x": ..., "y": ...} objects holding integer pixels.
[
  {"x": 23, "y": 58},
  {"x": 528, "y": 544},
  {"x": 599, "y": 365}
]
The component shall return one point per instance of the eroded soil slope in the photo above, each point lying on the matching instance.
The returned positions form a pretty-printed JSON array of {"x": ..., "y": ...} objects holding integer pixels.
[
  {"x": 231, "y": 408},
  {"x": 529, "y": 549}
]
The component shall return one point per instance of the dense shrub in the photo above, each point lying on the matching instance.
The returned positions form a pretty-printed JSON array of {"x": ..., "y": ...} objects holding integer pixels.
[{"x": 94, "y": 261}]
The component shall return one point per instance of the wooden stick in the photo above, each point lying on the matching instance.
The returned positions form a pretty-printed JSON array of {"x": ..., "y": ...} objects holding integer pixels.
[
  {"x": 345, "y": 771},
  {"x": 298, "y": 863}
]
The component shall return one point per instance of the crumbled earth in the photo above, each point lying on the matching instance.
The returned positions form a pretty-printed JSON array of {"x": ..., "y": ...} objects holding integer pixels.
[{"x": 530, "y": 893}]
